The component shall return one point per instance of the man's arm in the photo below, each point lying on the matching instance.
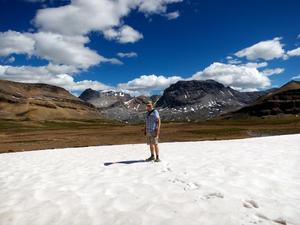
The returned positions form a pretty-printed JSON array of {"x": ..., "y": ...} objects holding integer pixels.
[{"x": 158, "y": 123}]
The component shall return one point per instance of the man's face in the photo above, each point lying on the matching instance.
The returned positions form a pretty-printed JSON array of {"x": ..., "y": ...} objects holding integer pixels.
[{"x": 149, "y": 108}]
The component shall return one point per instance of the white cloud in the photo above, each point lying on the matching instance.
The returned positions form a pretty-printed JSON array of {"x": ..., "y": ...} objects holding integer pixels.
[
  {"x": 113, "y": 61},
  {"x": 296, "y": 77},
  {"x": 125, "y": 34},
  {"x": 294, "y": 52},
  {"x": 127, "y": 54},
  {"x": 172, "y": 15},
  {"x": 256, "y": 65},
  {"x": 62, "y": 31},
  {"x": 298, "y": 36},
  {"x": 15, "y": 42},
  {"x": 269, "y": 72},
  {"x": 59, "y": 69},
  {"x": 56, "y": 48},
  {"x": 82, "y": 16},
  {"x": 239, "y": 77},
  {"x": 68, "y": 50},
  {"x": 266, "y": 50},
  {"x": 230, "y": 60},
  {"x": 48, "y": 74},
  {"x": 154, "y": 6},
  {"x": 62, "y": 39},
  {"x": 147, "y": 83}
]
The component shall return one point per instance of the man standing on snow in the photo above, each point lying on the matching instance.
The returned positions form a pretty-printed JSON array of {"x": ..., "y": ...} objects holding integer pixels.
[{"x": 152, "y": 130}]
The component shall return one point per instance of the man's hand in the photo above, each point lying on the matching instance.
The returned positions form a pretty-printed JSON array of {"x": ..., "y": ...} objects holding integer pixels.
[{"x": 157, "y": 131}]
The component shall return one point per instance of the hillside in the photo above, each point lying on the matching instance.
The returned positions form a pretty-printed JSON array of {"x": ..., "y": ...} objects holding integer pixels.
[
  {"x": 22, "y": 101},
  {"x": 285, "y": 100}
]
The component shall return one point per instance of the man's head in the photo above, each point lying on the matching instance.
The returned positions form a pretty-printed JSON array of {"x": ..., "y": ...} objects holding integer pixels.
[{"x": 149, "y": 106}]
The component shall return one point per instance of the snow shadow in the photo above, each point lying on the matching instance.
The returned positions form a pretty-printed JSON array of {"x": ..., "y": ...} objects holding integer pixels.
[{"x": 125, "y": 162}]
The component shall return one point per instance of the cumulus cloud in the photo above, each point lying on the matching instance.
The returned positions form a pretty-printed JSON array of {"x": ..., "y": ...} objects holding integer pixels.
[
  {"x": 269, "y": 72},
  {"x": 82, "y": 16},
  {"x": 298, "y": 36},
  {"x": 233, "y": 61},
  {"x": 125, "y": 34},
  {"x": 51, "y": 74},
  {"x": 127, "y": 54},
  {"x": 266, "y": 50},
  {"x": 296, "y": 77},
  {"x": 154, "y": 6},
  {"x": 62, "y": 38},
  {"x": 256, "y": 65},
  {"x": 56, "y": 48},
  {"x": 69, "y": 50},
  {"x": 147, "y": 83},
  {"x": 172, "y": 15},
  {"x": 294, "y": 52},
  {"x": 15, "y": 42},
  {"x": 239, "y": 77}
]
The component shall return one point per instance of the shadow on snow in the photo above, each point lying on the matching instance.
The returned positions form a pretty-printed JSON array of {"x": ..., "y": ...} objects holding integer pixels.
[{"x": 124, "y": 162}]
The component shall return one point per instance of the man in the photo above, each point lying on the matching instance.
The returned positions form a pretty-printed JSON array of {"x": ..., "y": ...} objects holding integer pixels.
[{"x": 152, "y": 130}]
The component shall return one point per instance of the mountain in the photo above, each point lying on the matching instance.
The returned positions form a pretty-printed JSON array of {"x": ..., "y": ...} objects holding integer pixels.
[
  {"x": 118, "y": 105},
  {"x": 182, "y": 101},
  {"x": 285, "y": 100},
  {"x": 193, "y": 100},
  {"x": 41, "y": 102},
  {"x": 104, "y": 99}
]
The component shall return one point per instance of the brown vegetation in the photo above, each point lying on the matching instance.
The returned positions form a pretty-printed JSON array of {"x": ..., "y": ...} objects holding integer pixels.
[{"x": 30, "y": 135}]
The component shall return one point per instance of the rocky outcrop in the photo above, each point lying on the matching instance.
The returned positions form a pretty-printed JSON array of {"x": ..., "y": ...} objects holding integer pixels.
[
  {"x": 118, "y": 105},
  {"x": 196, "y": 100},
  {"x": 104, "y": 99},
  {"x": 285, "y": 100}
]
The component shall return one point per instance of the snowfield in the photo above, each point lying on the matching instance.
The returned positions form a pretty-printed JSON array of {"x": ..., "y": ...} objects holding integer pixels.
[{"x": 236, "y": 182}]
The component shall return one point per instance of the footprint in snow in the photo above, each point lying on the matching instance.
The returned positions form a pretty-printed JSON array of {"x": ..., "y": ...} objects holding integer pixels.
[
  {"x": 250, "y": 204},
  {"x": 186, "y": 185},
  {"x": 213, "y": 195}
]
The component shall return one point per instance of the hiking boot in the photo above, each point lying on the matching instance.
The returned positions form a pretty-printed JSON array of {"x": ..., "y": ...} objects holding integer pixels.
[
  {"x": 157, "y": 160},
  {"x": 150, "y": 158}
]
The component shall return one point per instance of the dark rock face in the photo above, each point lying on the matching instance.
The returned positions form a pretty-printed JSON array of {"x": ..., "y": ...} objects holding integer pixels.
[
  {"x": 104, "y": 99},
  {"x": 117, "y": 105},
  {"x": 194, "y": 100},
  {"x": 185, "y": 93},
  {"x": 89, "y": 94},
  {"x": 285, "y": 100}
]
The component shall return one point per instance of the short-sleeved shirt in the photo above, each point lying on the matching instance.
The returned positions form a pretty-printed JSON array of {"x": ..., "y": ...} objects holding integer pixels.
[{"x": 151, "y": 121}]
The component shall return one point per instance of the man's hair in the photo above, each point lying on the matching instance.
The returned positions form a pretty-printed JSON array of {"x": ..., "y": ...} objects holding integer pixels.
[{"x": 149, "y": 103}]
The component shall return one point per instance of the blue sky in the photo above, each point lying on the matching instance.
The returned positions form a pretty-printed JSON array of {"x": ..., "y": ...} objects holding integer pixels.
[{"x": 143, "y": 46}]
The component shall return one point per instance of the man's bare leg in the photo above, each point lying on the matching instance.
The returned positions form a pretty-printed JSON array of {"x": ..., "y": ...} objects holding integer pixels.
[
  {"x": 152, "y": 157},
  {"x": 156, "y": 151},
  {"x": 152, "y": 147}
]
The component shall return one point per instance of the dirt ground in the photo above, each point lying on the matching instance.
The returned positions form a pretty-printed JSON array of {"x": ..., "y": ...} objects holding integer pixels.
[{"x": 27, "y": 135}]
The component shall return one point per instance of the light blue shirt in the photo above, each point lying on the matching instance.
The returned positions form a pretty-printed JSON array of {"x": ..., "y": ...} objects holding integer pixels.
[{"x": 151, "y": 121}]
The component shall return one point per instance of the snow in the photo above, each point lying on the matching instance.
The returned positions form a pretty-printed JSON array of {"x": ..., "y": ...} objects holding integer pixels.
[{"x": 235, "y": 182}]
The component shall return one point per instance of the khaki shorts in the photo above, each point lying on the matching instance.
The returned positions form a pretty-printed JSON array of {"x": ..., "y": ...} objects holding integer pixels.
[{"x": 151, "y": 139}]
